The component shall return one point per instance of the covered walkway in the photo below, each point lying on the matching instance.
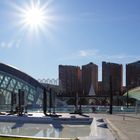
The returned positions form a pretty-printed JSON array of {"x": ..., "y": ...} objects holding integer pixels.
[{"x": 134, "y": 93}]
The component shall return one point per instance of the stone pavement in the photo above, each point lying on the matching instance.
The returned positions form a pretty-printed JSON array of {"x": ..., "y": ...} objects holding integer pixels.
[{"x": 124, "y": 126}]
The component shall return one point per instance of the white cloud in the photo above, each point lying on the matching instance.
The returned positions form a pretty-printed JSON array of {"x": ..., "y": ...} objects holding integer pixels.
[
  {"x": 2, "y": 45},
  {"x": 121, "y": 58},
  {"x": 83, "y": 53},
  {"x": 10, "y": 44},
  {"x": 17, "y": 45},
  {"x": 86, "y": 53},
  {"x": 96, "y": 55}
]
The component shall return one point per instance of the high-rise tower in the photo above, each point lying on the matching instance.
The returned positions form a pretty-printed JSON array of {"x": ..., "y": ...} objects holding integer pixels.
[
  {"x": 90, "y": 79},
  {"x": 69, "y": 77},
  {"x": 113, "y": 72},
  {"x": 133, "y": 75}
]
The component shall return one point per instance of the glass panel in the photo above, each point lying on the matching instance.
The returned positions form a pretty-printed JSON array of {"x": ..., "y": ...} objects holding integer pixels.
[
  {"x": 11, "y": 85},
  {"x": 2, "y": 98},
  {"x": 5, "y": 82},
  {"x": 18, "y": 86},
  {"x": 1, "y": 77},
  {"x": 26, "y": 89},
  {"x": 39, "y": 94},
  {"x": 1, "y": 90},
  {"x": 34, "y": 95},
  {"x": 39, "y": 101},
  {"x": 30, "y": 97},
  {"x": 32, "y": 91},
  {"x": 7, "y": 96}
]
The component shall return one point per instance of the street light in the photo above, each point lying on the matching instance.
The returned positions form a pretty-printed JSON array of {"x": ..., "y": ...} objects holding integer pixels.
[
  {"x": 111, "y": 95},
  {"x": 127, "y": 96},
  {"x": 131, "y": 85}
]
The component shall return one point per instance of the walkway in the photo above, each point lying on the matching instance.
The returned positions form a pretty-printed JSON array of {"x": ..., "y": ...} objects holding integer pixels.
[
  {"x": 125, "y": 126},
  {"x": 122, "y": 126},
  {"x": 98, "y": 127}
]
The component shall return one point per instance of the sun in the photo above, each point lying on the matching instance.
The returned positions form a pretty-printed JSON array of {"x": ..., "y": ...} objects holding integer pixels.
[{"x": 34, "y": 17}]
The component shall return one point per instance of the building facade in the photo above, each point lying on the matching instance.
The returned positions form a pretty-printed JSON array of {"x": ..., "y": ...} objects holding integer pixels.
[
  {"x": 113, "y": 72},
  {"x": 70, "y": 79},
  {"x": 99, "y": 87},
  {"x": 12, "y": 80},
  {"x": 90, "y": 79},
  {"x": 133, "y": 75}
]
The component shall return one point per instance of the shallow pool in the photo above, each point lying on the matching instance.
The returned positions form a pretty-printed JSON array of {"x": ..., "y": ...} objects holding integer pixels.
[{"x": 57, "y": 130}]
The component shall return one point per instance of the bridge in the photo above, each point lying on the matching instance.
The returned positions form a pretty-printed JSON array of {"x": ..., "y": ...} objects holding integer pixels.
[{"x": 96, "y": 99}]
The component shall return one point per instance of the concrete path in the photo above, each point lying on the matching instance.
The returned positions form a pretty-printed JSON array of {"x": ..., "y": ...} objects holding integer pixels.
[
  {"x": 99, "y": 129},
  {"x": 123, "y": 126}
]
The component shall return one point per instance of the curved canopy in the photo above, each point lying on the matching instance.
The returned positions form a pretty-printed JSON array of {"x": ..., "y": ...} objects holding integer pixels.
[
  {"x": 12, "y": 79},
  {"x": 134, "y": 93}
]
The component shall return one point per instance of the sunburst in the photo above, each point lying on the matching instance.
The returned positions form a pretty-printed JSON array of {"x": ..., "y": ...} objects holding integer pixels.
[{"x": 33, "y": 15}]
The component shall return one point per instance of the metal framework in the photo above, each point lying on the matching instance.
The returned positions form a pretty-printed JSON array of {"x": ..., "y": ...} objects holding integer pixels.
[{"x": 11, "y": 83}]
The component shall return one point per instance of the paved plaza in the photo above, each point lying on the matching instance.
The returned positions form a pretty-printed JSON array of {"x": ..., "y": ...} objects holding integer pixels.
[
  {"x": 105, "y": 126},
  {"x": 123, "y": 126}
]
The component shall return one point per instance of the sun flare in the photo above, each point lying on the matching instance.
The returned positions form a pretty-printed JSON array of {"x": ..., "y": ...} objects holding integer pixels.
[{"x": 34, "y": 17}]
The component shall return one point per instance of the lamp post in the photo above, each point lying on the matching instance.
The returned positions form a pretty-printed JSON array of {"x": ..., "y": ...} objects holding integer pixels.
[
  {"x": 44, "y": 101},
  {"x": 130, "y": 86},
  {"x": 50, "y": 98},
  {"x": 111, "y": 92},
  {"x": 127, "y": 96},
  {"x": 54, "y": 96},
  {"x": 12, "y": 102},
  {"x": 111, "y": 95}
]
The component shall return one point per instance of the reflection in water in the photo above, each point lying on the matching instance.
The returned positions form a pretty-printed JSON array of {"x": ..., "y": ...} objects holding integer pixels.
[
  {"x": 44, "y": 130},
  {"x": 17, "y": 125}
]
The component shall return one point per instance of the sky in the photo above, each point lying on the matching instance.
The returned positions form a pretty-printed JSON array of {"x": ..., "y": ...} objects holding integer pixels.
[{"x": 72, "y": 32}]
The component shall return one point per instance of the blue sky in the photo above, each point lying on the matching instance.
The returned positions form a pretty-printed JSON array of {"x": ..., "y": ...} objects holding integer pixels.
[{"x": 77, "y": 32}]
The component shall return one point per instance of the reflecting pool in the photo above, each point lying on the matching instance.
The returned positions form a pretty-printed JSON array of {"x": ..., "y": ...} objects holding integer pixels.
[{"x": 56, "y": 130}]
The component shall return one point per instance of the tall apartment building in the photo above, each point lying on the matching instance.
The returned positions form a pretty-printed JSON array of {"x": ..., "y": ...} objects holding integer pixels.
[
  {"x": 99, "y": 87},
  {"x": 69, "y": 77},
  {"x": 89, "y": 79},
  {"x": 133, "y": 75},
  {"x": 114, "y": 71}
]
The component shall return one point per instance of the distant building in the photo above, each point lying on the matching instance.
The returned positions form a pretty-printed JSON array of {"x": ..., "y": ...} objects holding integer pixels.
[
  {"x": 99, "y": 87},
  {"x": 69, "y": 77},
  {"x": 133, "y": 75},
  {"x": 89, "y": 79},
  {"x": 114, "y": 71}
]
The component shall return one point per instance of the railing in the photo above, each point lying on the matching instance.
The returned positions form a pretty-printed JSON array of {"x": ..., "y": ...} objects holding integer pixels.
[
  {"x": 90, "y": 109},
  {"x": 84, "y": 109},
  {"x": 6, "y": 107}
]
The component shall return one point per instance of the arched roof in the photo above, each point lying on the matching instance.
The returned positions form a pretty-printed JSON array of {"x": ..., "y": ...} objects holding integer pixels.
[
  {"x": 19, "y": 74},
  {"x": 134, "y": 93}
]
